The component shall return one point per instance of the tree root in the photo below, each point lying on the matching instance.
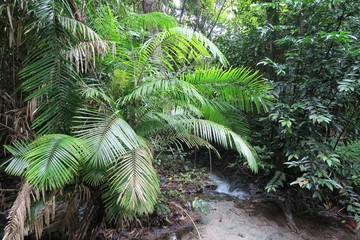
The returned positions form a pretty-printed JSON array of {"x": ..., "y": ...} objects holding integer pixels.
[{"x": 283, "y": 205}]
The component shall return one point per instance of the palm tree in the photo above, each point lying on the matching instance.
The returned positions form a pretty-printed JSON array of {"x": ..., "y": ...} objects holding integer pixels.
[{"x": 155, "y": 91}]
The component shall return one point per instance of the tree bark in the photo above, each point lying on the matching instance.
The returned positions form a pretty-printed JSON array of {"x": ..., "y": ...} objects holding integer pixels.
[
  {"x": 148, "y": 6},
  {"x": 79, "y": 14}
]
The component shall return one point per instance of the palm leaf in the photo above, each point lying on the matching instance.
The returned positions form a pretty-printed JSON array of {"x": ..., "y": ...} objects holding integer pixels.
[
  {"x": 135, "y": 182},
  {"x": 16, "y": 228},
  {"x": 172, "y": 48},
  {"x": 191, "y": 141},
  {"x": 219, "y": 134},
  {"x": 17, "y": 163},
  {"x": 174, "y": 88},
  {"x": 88, "y": 46},
  {"x": 108, "y": 137},
  {"x": 239, "y": 86},
  {"x": 58, "y": 45},
  {"x": 199, "y": 40},
  {"x": 225, "y": 114},
  {"x": 148, "y": 21},
  {"x": 53, "y": 160}
]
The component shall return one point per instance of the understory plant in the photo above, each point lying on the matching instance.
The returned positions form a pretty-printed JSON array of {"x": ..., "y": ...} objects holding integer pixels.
[
  {"x": 310, "y": 51},
  {"x": 110, "y": 93}
]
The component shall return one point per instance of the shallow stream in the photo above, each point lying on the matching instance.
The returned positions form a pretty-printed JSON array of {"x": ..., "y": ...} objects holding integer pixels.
[{"x": 223, "y": 187}]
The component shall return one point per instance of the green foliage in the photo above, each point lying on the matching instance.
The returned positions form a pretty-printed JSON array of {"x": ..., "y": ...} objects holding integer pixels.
[
  {"x": 309, "y": 49},
  {"x": 51, "y": 73},
  {"x": 199, "y": 204},
  {"x": 123, "y": 85},
  {"x": 51, "y": 161},
  {"x": 276, "y": 182}
]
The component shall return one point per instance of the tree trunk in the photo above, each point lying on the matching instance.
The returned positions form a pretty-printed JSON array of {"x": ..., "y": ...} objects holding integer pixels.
[
  {"x": 148, "y": 6},
  {"x": 272, "y": 17}
]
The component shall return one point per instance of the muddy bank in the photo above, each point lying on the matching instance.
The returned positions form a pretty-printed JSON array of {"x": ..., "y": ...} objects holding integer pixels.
[{"x": 259, "y": 221}]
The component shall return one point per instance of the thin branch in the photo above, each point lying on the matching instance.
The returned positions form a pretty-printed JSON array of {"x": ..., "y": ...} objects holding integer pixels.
[
  {"x": 186, "y": 213},
  {"x": 182, "y": 11},
  {"x": 217, "y": 19}
]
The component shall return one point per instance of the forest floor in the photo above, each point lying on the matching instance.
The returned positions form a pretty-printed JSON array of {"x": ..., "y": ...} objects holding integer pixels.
[
  {"x": 231, "y": 220},
  {"x": 228, "y": 218}
]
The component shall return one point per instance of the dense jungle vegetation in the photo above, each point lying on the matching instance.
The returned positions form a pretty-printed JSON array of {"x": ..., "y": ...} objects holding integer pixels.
[{"x": 97, "y": 97}]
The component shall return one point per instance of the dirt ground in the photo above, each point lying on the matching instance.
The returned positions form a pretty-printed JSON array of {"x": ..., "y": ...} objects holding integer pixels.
[{"x": 233, "y": 221}]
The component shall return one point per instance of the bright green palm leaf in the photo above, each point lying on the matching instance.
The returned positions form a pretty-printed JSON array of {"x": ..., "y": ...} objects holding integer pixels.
[
  {"x": 225, "y": 114},
  {"x": 17, "y": 163},
  {"x": 53, "y": 160},
  {"x": 173, "y": 87},
  {"x": 239, "y": 86},
  {"x": 148, "y": 21}
]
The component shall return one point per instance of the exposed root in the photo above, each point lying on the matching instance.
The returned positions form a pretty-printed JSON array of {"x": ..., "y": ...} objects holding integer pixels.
[{"x": 284, "y": 206}]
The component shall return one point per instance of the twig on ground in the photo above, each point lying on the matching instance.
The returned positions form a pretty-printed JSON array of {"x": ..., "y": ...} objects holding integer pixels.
[{"x": 186, "y": 213}]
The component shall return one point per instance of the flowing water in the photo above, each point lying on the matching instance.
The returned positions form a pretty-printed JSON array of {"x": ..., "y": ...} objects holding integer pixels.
[{"x": 223, "y": 187}]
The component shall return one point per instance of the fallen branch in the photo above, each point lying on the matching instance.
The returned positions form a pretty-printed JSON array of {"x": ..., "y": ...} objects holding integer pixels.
[{"x": 9, "y": 190}]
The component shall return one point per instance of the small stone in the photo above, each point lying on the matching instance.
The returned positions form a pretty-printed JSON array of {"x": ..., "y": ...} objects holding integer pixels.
[{"x": 241, "y": 235}]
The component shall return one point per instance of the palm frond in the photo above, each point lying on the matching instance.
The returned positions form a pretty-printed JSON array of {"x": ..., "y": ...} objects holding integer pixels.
[
  {"x": 239, "y": 86},
  {"x": 135, "y": 182},
  {"x": 108, "y": 137},
  {"x": 58, "y": 45},
  {"x": 94, "y": 175},
  {"x": 55, "y": 85},
  {"x": 226, "y": 114},
  {"x": 199, "y": 41},
  {"x": 157, "y": 115},
  {"x": 219, "y": 134},
  {"x": 147, "y": 21},
  {"x": 190, "y": 141},
  {"x": 90, "y": 44},
  {"x": 168, "y": 130},
  {"x": 15, "y": 228},
  {"x": 17, "y": 163},
  {"x": 173, "y": 48},
  {"x": 94, "y": 90},
  {"x": 174, "y": 88},
  {"x": 53, "y": 160}
]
